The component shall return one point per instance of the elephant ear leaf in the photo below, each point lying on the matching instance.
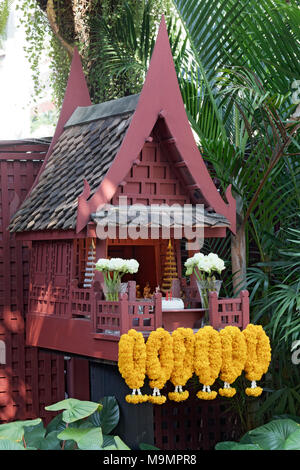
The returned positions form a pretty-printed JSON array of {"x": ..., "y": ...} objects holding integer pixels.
[
  {"x": 109, "y": 415},
  {"x": 6, "y": 444},
  {"x": 120, "y": 444},
  {"x": 74, "y": 409},
  {"x": 86, "y": 439},
  {"x": 15, "y": 431},
  {"x": 293, "y": 441},
  {"x": 274, "y": 435}
]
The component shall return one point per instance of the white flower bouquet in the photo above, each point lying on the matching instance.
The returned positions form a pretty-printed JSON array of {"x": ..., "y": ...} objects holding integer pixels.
[
  {"x": 113, "y": 269},
  {"x": 204, "y": 267}
]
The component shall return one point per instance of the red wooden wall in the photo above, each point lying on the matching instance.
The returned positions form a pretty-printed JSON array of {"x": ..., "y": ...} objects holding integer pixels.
[{"x": 31, "y": 378}]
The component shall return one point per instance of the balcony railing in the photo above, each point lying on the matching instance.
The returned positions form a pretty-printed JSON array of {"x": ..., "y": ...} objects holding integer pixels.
[{"x": 144, "y": 315}]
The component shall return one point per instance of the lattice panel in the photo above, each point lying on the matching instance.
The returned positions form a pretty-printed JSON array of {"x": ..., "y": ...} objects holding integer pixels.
[
  {"x": 83, "y": 303},
  {"x": 142, "y": 315},
  {"x": 108, "y": 317},
  {"x": 153, "y": 181},
  {"x": 230, "y": 312},
  {"x": 194, "y": 424},
  {"x": 30, "y": 378},
  {"x": 51, "y": 277}
]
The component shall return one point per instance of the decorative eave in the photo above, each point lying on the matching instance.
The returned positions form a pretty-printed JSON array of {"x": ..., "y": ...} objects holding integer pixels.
[{"x": 160, "y": 98}]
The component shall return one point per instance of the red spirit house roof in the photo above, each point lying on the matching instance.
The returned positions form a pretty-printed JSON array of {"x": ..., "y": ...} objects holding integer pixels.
[{"x": 93, "y": 155}]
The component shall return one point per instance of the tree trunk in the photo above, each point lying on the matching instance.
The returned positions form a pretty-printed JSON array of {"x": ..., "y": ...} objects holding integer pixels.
[{"x": 238, "y": 257}]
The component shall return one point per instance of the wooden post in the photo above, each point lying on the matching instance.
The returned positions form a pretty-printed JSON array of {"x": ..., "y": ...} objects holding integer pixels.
[
  {"x": 124, "y": 314},
  {"x": 158, "y": 310},
  {"x": 78, "y": 378},
  {"x": 244, "y": 295},
  {"x": 238, "y": 257},
  {"x": 131, "y": 291},
  {"x": 213, "y": 310}
]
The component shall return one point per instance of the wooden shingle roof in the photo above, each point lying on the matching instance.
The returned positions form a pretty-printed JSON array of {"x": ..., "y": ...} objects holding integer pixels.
[{"x": 84, "y": 150}]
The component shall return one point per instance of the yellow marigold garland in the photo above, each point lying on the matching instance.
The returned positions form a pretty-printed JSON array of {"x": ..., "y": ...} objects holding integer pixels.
[
  {"x": 258, "y": 356},
  {"x": 159, "y": 363},
  {"x": 234, "y": 354},
  {"x": 207, "y": 360},
  {"x": 132, "y": 364},
  {"x": 183, "y": 352}
]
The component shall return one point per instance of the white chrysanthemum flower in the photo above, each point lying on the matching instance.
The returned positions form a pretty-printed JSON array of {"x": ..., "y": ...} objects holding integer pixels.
[
  {"x": 204, "y": 265},
  {"x": 116, "y": 264},
  {"x": 132, "y": 266},
  {"x": 198, "y": 257},
  {"x": 102, "y": 264}
]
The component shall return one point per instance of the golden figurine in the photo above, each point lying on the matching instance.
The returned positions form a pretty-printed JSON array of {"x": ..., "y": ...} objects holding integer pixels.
[
  {"x": 147, "y": 291},
  {"x": 138, "y": 292}
]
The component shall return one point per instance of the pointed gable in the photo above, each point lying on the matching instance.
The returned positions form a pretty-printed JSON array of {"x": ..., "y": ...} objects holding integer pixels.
[{"x": 160, "y": 99}]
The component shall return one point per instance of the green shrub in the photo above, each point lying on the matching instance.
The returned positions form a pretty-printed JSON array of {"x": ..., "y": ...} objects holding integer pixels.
[{"x": 81, "y": 425}]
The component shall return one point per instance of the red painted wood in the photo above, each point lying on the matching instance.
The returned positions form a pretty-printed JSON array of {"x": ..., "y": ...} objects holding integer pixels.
[
  {"x": 30, "y": 379},
  {"x": 160, "y": 93},
  {"x": 223, "y": 312},
  {"x": 50, "y": 235},
  {"x": 78, "y": 376},
  {"x": 92, "y": 327},
  {"x": 189, "y": 318}
]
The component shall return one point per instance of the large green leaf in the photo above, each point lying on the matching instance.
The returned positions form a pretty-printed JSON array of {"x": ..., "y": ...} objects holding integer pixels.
[
  {"x": 293, "y": 441},
  {"x": 56, "y": 424},
  {"x": 86, "y": 439},
  {"x": 120, "y": 444},
  {"x": 6, "y": 444},
  {"x": 231, "y": 445},
  {"x": 273, "y": 435},
  {"x": 74, "y": 409},
  {"x": 109, "y": 415},
  {"x": 34, "y": 435},
  {"x": 50, "y": 442},
  {"x": 15, "y": 430}
]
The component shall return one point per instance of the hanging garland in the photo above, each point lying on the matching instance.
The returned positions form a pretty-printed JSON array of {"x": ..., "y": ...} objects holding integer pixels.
[
  {"x": 159, "y": 364},
  {"x": 258, "y": 357},
  {"x": 132, "y": 364},
  {"x": 183, "y": 352},
  {"x": 234, "y": 354},
  {"x": 207, "y": 360},
  {"x": 208, "y": 353}
]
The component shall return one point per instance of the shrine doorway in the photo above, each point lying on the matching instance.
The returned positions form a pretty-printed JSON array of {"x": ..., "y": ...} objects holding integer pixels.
[{"x": 146, "y": 254}]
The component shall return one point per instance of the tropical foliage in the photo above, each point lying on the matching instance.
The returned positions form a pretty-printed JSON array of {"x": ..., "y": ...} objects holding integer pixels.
[
  {"x": 55, "y": 27},
  {"x": 279, "y": 434}
]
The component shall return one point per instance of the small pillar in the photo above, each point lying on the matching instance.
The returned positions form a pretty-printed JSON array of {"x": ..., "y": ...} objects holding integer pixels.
[{"x": 213, "y": 310}]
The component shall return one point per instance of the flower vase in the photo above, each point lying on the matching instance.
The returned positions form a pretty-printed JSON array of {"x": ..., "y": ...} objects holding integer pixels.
[
  {"x": 111, "y": 290},
  {"x": 204, "y": 287}
]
